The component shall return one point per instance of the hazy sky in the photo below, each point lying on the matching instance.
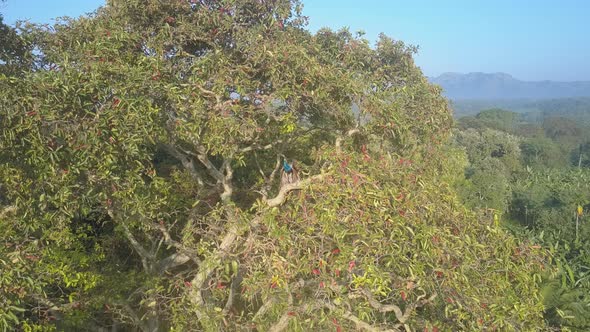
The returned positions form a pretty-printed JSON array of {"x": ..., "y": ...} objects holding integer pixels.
[{"x": 530, "y": 39}]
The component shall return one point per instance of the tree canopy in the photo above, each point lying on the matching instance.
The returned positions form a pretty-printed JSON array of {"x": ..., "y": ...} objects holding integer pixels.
[{"x": 141, "y": 157}]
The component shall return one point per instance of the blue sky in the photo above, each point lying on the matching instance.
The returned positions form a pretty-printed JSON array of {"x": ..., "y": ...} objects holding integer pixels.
[{"x": 530, "y": 39}]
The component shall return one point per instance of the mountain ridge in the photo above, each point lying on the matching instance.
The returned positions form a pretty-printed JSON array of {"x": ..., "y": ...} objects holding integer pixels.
[{"x": 479, "y": 85}]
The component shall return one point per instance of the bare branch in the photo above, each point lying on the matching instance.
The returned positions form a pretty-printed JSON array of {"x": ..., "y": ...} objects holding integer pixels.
[
  {"x": 361, "y": 325},
  {"x": 286, "y": 189},
  {"x": 275, "y": 170},
  {"x": 226, "y": 181},
  {"x": 384, "y": 307},
  {"x": 402, "y": 317},
  {"x": 264, "y": 308},
  {"x": 183, "y": 256},
  {"x": 282, "y": 324},
  {"x": 204, "y": 159},
  {"x": 143, "y": 253},
  {"x": 254, "y": 147},
  {"x": 172, "y": 261}
]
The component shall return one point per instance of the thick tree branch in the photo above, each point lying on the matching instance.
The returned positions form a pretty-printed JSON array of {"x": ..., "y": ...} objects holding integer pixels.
[
  {"x": 204, "y": 159},
  {"x": 183, "y": 256},
  {"x": 264, "y": 308},
  {"x": 281, "y": 197},
  {"x": 233, "y": 290},
  {"x": 257, "y": 147},
  {"x": 283, "y": 322},
  {"x": 172, "y": 261},
  {"x": 227, "y": 181},
  {"x": 402, "y": 317},
  {"x": 273, "y": 175},
  {"x": 143, "y": 253},
  {"x": 360, "y": 324}
]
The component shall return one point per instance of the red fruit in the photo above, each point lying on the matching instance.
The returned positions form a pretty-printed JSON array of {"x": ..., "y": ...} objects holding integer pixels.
[
  {"x": 351, "y": 265},
  {"x": 322, "y": 285},
  {"x": 403, "y": 295},
  {"x": 337, "y": 272},
  {"x": 316, "y": 272},
  {"x": 188, "y": 284},
  {"x": 220, "y": 285},
  {"x": 335, "y": 251}
]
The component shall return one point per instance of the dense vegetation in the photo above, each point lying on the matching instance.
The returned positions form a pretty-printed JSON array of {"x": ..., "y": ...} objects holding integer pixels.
[
  {"x": 142, "y": 184},
  {"x": 538, "y": 176},
  {"x": 535, "y": 110}
]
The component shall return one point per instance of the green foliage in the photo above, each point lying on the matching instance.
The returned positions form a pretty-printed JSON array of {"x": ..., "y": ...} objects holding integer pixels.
[
  {"x": 494, "y": 157},
  {"x": 547, "y": 204},
  {"x": 140, "y": 181},
  {"x": 498, "y": 119}
]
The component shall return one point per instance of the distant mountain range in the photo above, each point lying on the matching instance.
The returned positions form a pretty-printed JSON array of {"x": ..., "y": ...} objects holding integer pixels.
[{"x": 503, "y": 86}]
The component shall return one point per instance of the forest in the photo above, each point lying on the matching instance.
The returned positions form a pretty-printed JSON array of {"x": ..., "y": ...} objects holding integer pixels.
[{"x": 215, "y": 166}]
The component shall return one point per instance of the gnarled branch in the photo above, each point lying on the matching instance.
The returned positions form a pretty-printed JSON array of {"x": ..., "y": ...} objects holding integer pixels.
[
  {"x": 281, "y": 197},
  {"x": 402, "y": 317}
]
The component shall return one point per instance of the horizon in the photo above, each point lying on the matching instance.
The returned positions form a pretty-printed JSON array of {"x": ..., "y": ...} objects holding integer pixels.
[{"x": 516, "y": 39}]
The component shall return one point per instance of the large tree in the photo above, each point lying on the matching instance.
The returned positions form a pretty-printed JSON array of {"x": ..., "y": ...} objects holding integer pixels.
[
  {"x": 14, "y": 51},
  {"x": 141, "y": 182}
]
